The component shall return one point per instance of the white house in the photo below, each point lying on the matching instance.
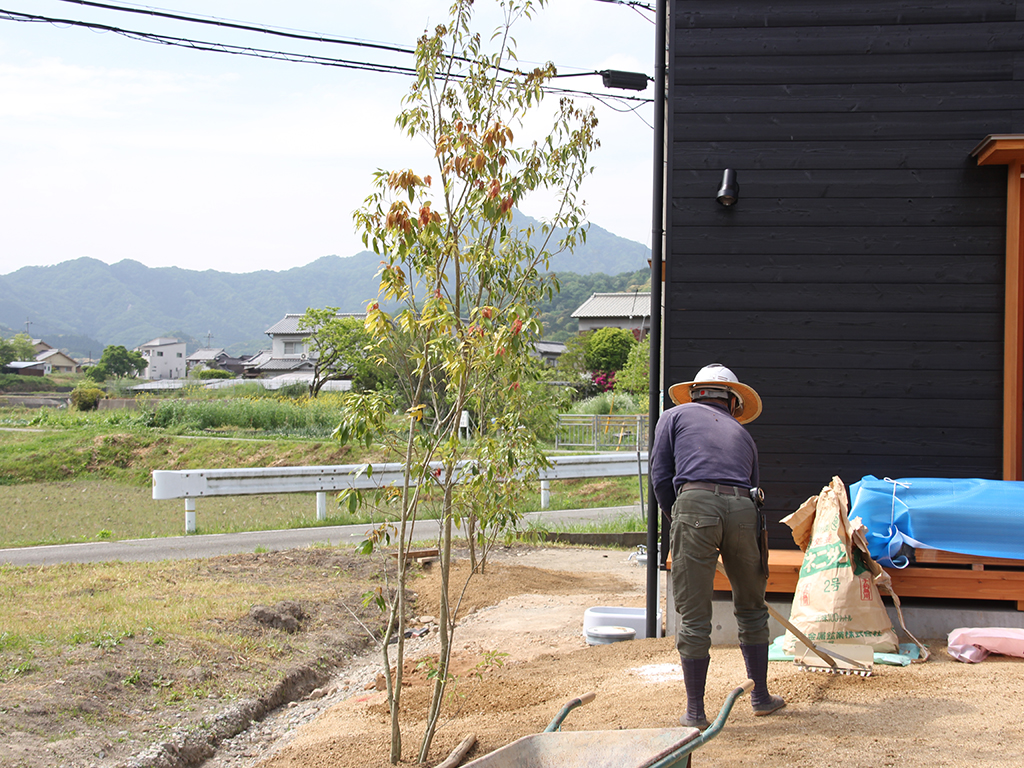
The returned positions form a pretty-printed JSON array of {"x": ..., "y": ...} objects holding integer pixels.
[{"x": 165, "y": 358}]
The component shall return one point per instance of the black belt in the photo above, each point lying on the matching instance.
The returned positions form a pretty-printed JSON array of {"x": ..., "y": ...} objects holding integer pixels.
[{"x": 723, "y": 490}]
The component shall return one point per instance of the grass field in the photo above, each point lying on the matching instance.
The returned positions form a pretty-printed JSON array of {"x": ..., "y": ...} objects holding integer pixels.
[
  {"x": 86, "y": 477},
  {"x": 120, "y": 653}
]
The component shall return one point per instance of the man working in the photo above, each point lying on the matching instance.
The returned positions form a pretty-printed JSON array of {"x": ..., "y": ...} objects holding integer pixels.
[{"x": 703, "y": 467}]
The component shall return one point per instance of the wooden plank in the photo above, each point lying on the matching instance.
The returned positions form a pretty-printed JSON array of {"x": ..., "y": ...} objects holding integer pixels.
[
  {"x": 419, "y": 554},
  {"x": 871, "y": 183},
  {"x": 935, "y": 583},
  {"x": 842, "y": 126},
  {"x": 886, "y": 358},
  {"x": 795, "y": 13},
  {"x": 784, "y": 478},
  {"x": 852, "y": 412},
  {"x": 823, "y": 298},
  {"x": 773, "y": 382},
  {"x": 833, "y": 155},
  {"x": 942, "y": 557},
  {"x": 788, "y": 388},
  {"x": 950, "y": 67},
  {"x": 801, "y": 441},
  {"x": 695, "y": 98},
  {"x": 820, "y": 241},
  {"x": 959, "y": 584},
  {"x": 1013, "y": 339},
  {"x": 926, "y": 441},
  {"x": 762, "y": 206},
  {"x": 980, "y": 37},
  {"x": 742, "y": 325},
  {"x": 783, "y": 569}
]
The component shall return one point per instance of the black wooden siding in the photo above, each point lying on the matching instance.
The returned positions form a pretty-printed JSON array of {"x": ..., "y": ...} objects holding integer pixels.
[{"x": 858, "y": 282}]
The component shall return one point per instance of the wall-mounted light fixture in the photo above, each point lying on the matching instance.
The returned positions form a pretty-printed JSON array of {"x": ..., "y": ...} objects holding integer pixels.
[{"x": 729, "y": 192}]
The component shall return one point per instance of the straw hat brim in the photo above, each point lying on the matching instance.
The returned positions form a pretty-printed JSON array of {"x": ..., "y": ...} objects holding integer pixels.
[{"x": 751, "y": 408}]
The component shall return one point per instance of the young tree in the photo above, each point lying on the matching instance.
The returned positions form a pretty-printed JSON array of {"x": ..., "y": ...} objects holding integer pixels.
[
  {"x": 635, "y": 375},
  {"x": 464, "y": 284},
  {"x": 117, "y": 361},
  {"x": 7, "y": 353},
  {"x": 572, "y": 367},
  {"x": 18, "y": 348},
  {"x": 337, "y": 347}
]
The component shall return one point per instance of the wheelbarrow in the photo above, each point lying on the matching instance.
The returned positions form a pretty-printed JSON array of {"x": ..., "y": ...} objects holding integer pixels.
[{"x": 635, "y": 748}]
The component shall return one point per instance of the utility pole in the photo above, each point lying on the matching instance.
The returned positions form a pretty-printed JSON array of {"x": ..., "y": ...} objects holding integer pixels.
[
  {"x": 27, "y": 324},
  {"x": 209, "y": 335}
]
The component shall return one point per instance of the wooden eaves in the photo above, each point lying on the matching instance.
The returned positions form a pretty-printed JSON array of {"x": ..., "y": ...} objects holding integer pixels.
[{"x": 1008, "y": 150}]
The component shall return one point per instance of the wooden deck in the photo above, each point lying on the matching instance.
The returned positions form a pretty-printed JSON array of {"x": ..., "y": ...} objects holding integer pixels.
[{"x": 936, "y": 574}]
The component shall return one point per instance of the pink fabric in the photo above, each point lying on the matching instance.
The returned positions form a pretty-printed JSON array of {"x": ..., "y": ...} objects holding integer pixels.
[{"x": 974, "y": 644}]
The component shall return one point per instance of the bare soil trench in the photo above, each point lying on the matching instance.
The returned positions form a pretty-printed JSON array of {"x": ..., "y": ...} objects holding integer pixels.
[{"x": 527, "y": 610}]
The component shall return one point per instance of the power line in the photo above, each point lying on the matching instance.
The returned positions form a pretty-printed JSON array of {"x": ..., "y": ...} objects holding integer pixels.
[
  {"x": 276, "y": 55},
  {"x": 291, "y": 34},
  {"x": 294, "y": 35},
  {"x": 633, "y": 5},
  {"x": 202, "y": 45}
]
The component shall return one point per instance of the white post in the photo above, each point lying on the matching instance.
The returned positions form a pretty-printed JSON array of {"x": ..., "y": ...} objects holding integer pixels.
[
  {"x": 321, "y": 505},
  {"x": 190, "y": 515},
  {"x": 545, "y": 494}
]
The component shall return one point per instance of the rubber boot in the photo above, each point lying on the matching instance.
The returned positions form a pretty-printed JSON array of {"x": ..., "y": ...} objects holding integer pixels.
[
  {"x": 756, "y": 659},
  {"x": 695, "y": 676}
]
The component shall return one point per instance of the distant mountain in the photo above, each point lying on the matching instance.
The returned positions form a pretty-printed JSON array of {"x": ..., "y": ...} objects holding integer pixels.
[{"x": 129, "y": 303}]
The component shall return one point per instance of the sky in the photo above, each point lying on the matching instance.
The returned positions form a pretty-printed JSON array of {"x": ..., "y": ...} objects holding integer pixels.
[{"x": 113, "y": 148}]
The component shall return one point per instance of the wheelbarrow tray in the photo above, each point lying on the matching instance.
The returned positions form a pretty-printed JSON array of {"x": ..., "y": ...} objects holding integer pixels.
[{"x": 634, "y": 748}]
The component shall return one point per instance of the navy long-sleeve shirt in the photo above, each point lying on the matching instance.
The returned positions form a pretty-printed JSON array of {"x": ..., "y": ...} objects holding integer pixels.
[{"x": 699, "y": 442}]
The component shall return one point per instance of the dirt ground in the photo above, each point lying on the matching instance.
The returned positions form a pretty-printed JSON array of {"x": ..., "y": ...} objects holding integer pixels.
[
  {"x": 938, "y": 713},
  {"x": 527, "y": 611}
]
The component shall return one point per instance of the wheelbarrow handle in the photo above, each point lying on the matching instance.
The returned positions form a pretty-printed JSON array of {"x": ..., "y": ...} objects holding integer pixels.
[
  {"x": 677, "y": 758},
  {"x": 569, "y": 706}
]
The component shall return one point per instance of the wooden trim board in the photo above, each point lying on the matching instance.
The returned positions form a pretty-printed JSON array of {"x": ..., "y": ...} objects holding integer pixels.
[{"x": 946, "y": 575}]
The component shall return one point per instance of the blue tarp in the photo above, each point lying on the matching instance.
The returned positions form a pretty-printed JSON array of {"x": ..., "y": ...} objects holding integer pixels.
[{"x": 974, "y": 517}]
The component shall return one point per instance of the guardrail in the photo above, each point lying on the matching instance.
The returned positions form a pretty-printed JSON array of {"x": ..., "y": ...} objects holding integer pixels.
[
  {"x": 192, "y": 484},
  {"x": 598, "y": 432}
]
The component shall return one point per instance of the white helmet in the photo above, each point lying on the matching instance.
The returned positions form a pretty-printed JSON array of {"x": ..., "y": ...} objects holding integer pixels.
[{"x": 717, "y": 381}]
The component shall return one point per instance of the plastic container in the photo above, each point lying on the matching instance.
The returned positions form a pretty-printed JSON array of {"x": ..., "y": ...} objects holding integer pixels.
[
  {"x": 602, "y": 635},
  {"x": 608, "y": 616}
]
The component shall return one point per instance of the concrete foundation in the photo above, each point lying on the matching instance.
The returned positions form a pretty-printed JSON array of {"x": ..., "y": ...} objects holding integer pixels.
[{"x": 927, "y": 619}]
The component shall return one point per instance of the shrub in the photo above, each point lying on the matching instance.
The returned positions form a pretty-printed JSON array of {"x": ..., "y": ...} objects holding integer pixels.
[
  {"x": 86, "y": 398},
  {"x": 97, "y": 373},
  {"x": 12, "y": 382},
  {"x": 608, "y": 403},
  {"x": 608, "y": 349},
  {"x": 214, "y": 373}
]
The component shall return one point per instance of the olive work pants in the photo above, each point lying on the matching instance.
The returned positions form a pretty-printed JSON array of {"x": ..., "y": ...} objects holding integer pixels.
[{"x": 705, "y": 524}]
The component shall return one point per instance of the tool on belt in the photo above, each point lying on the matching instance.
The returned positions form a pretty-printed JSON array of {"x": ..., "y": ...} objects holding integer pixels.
[{"x": 757, "y": 496}]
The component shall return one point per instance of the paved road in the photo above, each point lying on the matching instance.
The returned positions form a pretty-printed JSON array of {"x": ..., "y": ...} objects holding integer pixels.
[{"x": 209, "y": 545}]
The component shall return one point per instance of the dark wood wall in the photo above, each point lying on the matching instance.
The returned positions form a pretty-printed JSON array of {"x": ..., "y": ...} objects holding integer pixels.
[{"x": 858, "y": 282}]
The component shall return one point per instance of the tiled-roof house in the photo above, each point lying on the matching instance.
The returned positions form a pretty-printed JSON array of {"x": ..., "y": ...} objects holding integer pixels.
[
  {"x": 631, "y": 311},
  {"x": 288, "y": 348},
  {"x": 58, "y": 361}
]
